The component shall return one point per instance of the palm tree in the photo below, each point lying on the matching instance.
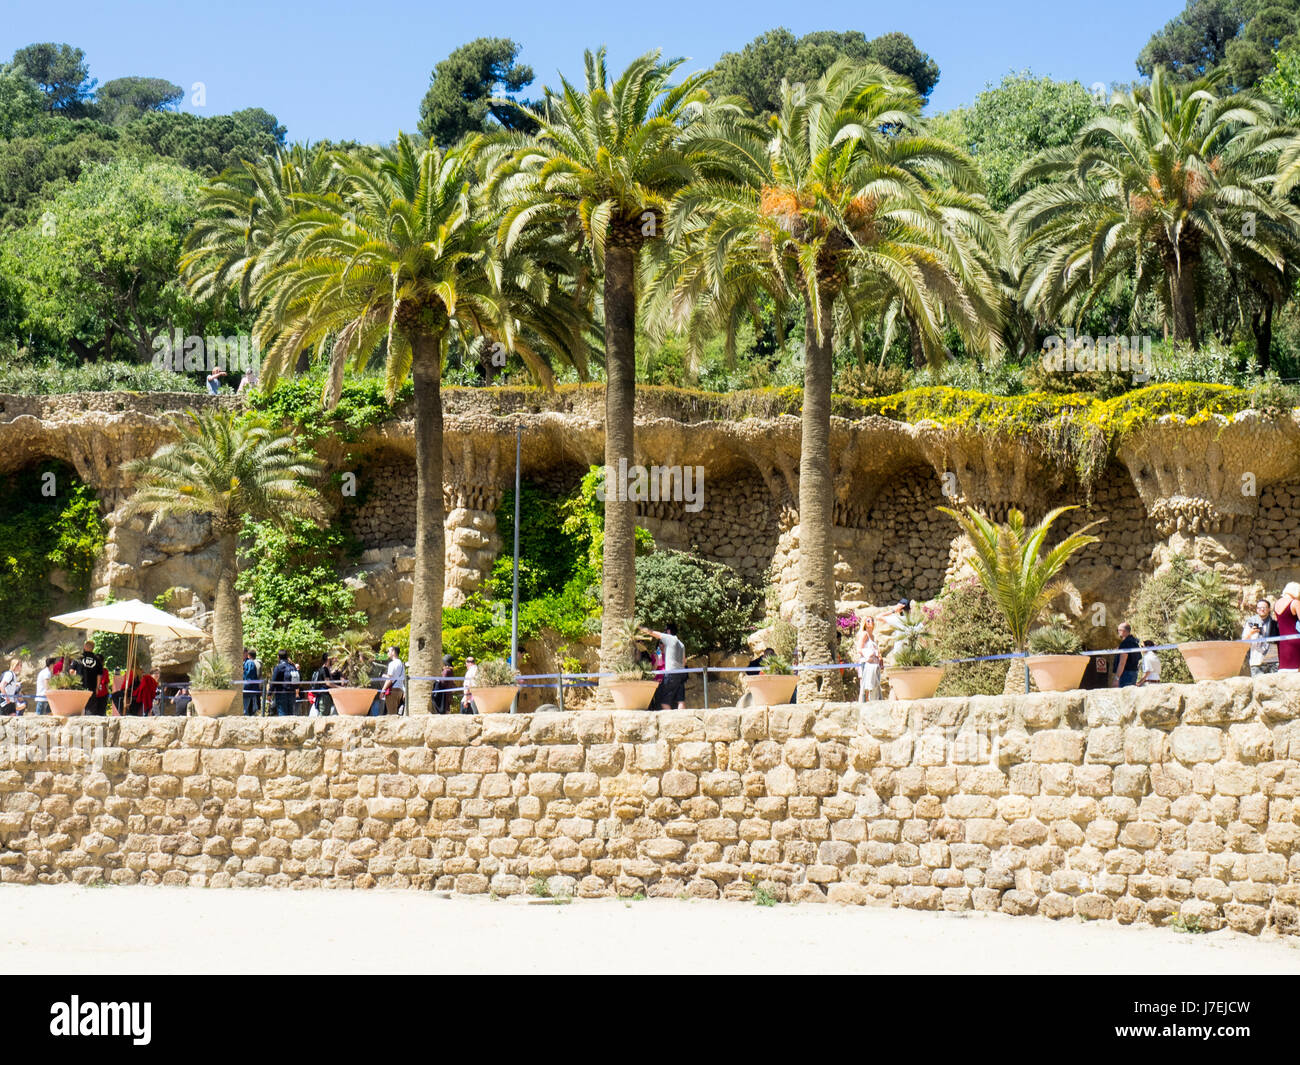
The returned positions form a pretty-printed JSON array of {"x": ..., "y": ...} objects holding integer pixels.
[
  {"x": 399, "y": 256},
  {"x": 243, "y": 209},
  {"x": 844, "y": 204},
  {"x": 1010, "y": 563},
  {"x": 602, "y": 166},
  {"x": 226, "y": 468},
  {"x": 1170, "y": 175}
]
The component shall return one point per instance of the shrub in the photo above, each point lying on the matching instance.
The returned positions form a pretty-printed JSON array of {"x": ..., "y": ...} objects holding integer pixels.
[
  {"x": 713, "y": 606},
  {"x": 41, "y": 533},
  {"x": 968, "y": 624},
  {"x": 1055, "y": 638},
  {"x": 912, "y": 641},
  {"x": 496, "y": 673},
  {"x": 1207, "y": 611},
  {"x": 1153, "y": 612},
  {"x": 354, "y": 656},
  {"x": 211, "y": 673}
]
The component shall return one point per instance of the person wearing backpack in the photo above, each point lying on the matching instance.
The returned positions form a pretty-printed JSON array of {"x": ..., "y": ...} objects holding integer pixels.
[{"x": 283, "y": 680}]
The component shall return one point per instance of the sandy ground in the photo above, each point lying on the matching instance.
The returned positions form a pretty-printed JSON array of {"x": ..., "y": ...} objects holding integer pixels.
[{"x": 67, "y": 929}]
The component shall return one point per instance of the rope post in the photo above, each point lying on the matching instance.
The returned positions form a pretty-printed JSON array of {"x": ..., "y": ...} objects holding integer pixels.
[{"x": 704, "y": 676}]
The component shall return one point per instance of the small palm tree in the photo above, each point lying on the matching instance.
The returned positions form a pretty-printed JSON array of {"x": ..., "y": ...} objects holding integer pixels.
[
  {"x": 1010, "y": 563},
  {"x": 844, "y": 204},
  {"x": 225, "y": 467},
  {"x": 604, "y": 162}
]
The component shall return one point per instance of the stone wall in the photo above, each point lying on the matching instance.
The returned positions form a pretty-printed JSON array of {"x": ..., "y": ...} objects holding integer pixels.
[{"x": 1132, "y": 805}]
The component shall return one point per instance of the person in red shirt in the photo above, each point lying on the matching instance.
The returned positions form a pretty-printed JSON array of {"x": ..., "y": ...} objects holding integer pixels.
[{"x": 143, "y": 695}]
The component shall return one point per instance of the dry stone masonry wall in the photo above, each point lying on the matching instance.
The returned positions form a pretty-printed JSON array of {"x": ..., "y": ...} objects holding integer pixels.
[{"x": 1134, "y": 805}]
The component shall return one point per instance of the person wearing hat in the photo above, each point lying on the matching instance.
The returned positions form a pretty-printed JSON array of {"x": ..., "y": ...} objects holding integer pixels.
[
  {"x": 1287, "y": 611},
  {"x": 442, "y": 687},
  {"x": 471, "y": 675}
]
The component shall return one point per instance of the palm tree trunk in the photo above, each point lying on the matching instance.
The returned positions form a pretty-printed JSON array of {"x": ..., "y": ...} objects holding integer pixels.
[
  {"x": 815, "y": 609},
  {"x": 1182, "y": 283},
  {"x": 619, "y": 556},
  {"x": 424, "y": 659},
  {"x": 227, "y": 622}
]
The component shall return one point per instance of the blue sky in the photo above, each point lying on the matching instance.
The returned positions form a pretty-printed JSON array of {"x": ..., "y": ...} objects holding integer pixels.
[{"x": 359, "y": 69}]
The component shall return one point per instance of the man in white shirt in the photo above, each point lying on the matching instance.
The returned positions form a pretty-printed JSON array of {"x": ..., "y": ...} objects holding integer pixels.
[
  {"x": 672, "y": 692},
  {"x": 394, "y": 692},
  {"x": 1150, "y": 669},
  {"x": 43, "y": 686}
]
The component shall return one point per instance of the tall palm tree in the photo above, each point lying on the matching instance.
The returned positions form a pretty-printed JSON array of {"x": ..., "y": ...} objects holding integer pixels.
[
  {"x": 400, "y": 256},
  {"x": 1170, "y": 175},
  {"x": 1010, "y": 563},
  {"x": 602, "y": 166},
  {"x": 843, "y": 204},
  {"x": 225, "y": 467}
]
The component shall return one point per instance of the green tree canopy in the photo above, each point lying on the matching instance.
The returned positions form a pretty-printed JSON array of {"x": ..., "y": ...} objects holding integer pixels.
[
  {"x": 464, "y": 90},
  {"x": 1240, "y": 36},
  {"x": 97, "y": 269},
  {"x": 208, "y": 144},
  {"x": 124, "y": 99},
  {"x": 60, "y": 72},
  {"x": 21, "y": 102},
  {"x": 1010, "y": 122},
  {"x": 755, "y": 72}
]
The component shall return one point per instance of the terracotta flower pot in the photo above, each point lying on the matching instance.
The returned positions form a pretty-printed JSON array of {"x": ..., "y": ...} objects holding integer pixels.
[
  {"x": 495, "y": 700},
  {"x": 67, "y": 702},
  {"x": 353, "y": 702},
  {"x": 1057, "y": 673},
  {"x": 914, "y": 682},
  {"x": 1214, "y": 659},
  {"x": 217, "y": 702},
  {"x": 769, "y": 689},
  {"x": 632, "y": 694}
]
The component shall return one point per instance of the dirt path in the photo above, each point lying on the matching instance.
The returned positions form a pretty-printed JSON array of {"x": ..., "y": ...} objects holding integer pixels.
[{"x": 152, "y": 929}]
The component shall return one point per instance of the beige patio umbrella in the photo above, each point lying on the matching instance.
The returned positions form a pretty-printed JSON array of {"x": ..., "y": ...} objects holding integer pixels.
[{"x": 133, "y": 617}]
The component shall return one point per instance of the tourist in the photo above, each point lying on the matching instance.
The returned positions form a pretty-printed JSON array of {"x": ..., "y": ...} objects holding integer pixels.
[
  {"x": 756, "y": 664},
  {"x": 321, "y": 681},
  {"x": 866, "y": 652},
  {"x": 43, "y": 686},
  {"x": 119, "y": 697},
  {"x": 470, "y": 679},
  {"x": 252, "y": 683},
  {"x": 1287, "y": 610},
  {"x": 214, "y": 381},
  {"x": 142, "y": 695},
  {"x": 442, "y": 687},
  {"x": 11, "y": 689},
  {"x": 181, "y": 703},
  {"x": 1126, "y": 665},
  {"x": 1150, "y": 669},
  {"x": 672, "y": 689},
  {"x": 283, "y": 679},
  {"x": 1260, "y": 630},
  {"x": 394, "y": 691},
  {"x": 94, "y": 677}
]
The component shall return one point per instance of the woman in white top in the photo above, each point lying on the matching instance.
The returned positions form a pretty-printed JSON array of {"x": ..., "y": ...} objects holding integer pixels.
[{"x": 867, "y": 654}]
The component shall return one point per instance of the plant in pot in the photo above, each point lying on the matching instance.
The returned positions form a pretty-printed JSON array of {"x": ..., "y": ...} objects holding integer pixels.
[
  {"x": 1054, "y": 661},
  {"x": 496, "y": 686},
  {"x": 1020, "y": 576},
  {"x": 211, "y": 686},
  {"x": 66, "y": 696},
  {"x": 776, "y": 681},
  {"x": 1206, "y": 629},
  {"x": 914, "y": 671},
  {"x": 633, "y": 685},
  {"x": 353, "y": 658}
]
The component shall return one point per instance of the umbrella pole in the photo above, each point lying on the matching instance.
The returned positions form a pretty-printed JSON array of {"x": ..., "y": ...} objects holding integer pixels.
[{"x": 130, "y": 672}]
